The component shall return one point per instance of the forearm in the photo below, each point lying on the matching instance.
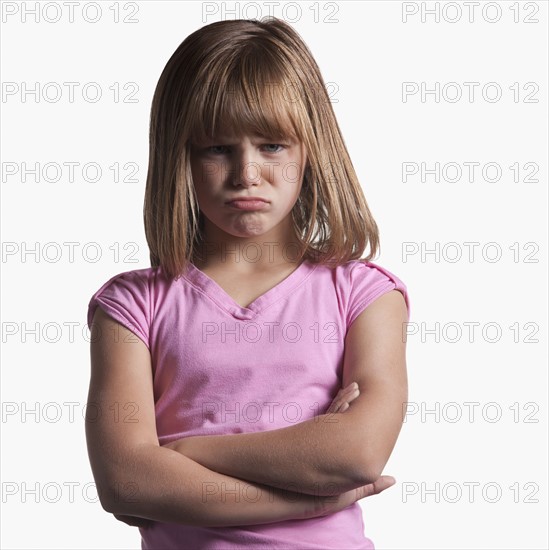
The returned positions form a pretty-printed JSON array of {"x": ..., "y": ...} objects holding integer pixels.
[
  {"x": 320, "y": 456},
  {"x": 162, "y": 485}
]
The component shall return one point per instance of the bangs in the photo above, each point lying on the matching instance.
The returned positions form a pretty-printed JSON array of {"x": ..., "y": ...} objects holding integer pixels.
[{"x": 250, "y": 97}]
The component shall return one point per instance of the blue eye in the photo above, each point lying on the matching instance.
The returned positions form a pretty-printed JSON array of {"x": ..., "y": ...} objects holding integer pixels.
[
  {"x": 275, "y": 145},
  {"x": 211, "y": 149},
  {"x": 215, "y": 149}
]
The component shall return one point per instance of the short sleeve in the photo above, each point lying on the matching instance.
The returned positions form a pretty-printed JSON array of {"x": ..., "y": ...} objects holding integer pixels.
[
  {"x": 125, "y": 298},
  {"x": 368, "y": 282}
]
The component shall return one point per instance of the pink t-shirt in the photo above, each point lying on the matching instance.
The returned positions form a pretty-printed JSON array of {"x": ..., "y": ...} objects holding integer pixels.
[{"x": 220, "y": 368}]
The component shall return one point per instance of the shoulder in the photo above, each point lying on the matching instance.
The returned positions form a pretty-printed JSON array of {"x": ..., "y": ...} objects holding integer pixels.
[
  {"x": 136, "y": 278},
  {"x": 127, "y": 297},
  {"x": 363, "y": 282},
  {"x": 359, "y": 269},
  {"x": 363, "y": 274}
]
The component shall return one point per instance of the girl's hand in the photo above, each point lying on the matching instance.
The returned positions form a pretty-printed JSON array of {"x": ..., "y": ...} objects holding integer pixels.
[
  {"x": 134, "y": 521},
  {"x": 326, "y": 505},
  {"x": 343, "y": 399}
]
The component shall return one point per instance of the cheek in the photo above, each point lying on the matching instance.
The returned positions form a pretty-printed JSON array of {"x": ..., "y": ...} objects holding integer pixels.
[
  {"x": 200, "y": 176},
  {"x": 195, "y": 173},
  {"x": 210, "y": 174},
  {"x": 292, "y": 175}
]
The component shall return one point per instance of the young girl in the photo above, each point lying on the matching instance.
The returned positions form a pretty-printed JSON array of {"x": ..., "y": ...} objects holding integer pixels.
[{"x": 249, "y": 385}]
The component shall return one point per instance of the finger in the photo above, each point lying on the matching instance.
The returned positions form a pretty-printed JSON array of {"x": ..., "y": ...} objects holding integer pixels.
[
  {"x": 384, "y": 482},
  {"x": 344, "y": 395},
  {"x": 350, "y": 388},
  {"x": 353, "y": 395},
  {"x": 336, "y": 403},
  {"x": 343, "y": 392},
  {"x": 348, "y": 399},
  {"x": 341, "y": 404}
]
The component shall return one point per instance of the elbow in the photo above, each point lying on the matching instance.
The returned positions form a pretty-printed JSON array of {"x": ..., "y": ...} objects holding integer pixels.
[
  {"x": 115, "y": 496},
  {"x": 366, "y": 476},
  {"x": 107, "y": 497},
  {"x": 347, "y": 474},
  {"x": 104, "y": 492},
  {"x": 367, "y": 469},
  {"x": 113, "y": 504},
  {"x": 107, "y": 506},
  {"x": 120, "y": 483}
]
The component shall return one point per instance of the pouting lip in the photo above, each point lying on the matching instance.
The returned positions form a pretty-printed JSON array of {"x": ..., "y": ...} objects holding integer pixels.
[{"x": 247, "y": 199}]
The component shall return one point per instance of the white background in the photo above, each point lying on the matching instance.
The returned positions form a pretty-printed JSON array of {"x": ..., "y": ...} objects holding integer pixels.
[{"x": 366, "y": 51}]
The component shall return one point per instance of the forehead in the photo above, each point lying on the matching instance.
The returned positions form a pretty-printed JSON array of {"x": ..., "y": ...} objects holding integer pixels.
[
  {"x": 236, "y": 116},
  {"x": 252, "y": 136},
  {"x": 232, "y": 134}
]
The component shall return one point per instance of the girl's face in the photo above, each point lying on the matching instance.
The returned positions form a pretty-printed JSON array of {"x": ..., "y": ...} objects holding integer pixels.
[{"x": 230, "y": 168}]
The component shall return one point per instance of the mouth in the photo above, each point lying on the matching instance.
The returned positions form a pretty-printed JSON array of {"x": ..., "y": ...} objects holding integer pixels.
[
  {"x": 247, "y": 199},
  {"x": 248, "y": 204}
]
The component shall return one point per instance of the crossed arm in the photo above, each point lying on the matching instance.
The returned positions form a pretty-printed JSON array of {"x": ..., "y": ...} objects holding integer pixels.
[{"x": 330, "y": 453}]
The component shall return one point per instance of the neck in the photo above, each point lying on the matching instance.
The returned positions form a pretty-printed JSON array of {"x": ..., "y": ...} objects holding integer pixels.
[{"x": 247, "y": 254}]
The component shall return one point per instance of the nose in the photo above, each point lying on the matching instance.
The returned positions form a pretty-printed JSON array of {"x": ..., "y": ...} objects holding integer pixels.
[{"x": 246, "y": 171}]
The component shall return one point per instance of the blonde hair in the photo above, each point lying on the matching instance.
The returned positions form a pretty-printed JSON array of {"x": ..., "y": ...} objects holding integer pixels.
[{"x": 253, "y": 76}]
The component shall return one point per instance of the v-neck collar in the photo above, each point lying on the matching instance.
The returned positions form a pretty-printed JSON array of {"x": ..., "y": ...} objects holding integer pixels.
[{"x": 202, "y": 281}]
